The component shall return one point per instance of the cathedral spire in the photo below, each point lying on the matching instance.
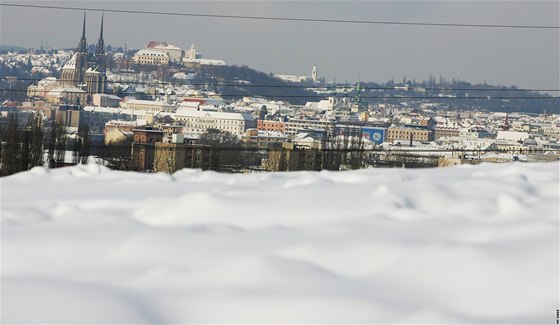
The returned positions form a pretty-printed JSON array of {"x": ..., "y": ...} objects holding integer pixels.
[
  {"x": 82, "y": 47},
  {"x": 100, "y": 43},
  {"x": 101, "y": 33},
  {"x": 101, "y": 60}
]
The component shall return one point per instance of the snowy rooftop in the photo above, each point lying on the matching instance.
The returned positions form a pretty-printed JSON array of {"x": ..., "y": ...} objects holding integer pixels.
[
  {"x": 186, "y": 112},
  {"x": 151, "y": 53},
  {"x": 205, "y": 61}
]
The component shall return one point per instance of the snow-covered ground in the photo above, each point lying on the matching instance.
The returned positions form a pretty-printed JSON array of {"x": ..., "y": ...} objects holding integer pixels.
[{"x": 468, "y": 244}]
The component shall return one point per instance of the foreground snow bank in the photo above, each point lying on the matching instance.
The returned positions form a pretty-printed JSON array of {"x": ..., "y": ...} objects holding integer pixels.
[{"x": 470, "y": 244}]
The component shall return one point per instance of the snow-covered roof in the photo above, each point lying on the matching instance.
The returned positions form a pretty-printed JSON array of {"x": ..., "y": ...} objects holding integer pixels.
[
  {"x": 151, "y": 53},
  {"x": 61, "y": 90},
  {"x": 71, "y": 64},
  {"x": 205, "y": 61},
  {"x": 185, "y": 112}
]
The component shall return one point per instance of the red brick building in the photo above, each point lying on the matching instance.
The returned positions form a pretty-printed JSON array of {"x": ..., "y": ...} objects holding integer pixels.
[{"x": 269, "y": 125}]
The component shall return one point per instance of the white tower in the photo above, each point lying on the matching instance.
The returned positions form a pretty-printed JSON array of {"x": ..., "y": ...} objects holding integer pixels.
[{"x": 314, "y": 74}]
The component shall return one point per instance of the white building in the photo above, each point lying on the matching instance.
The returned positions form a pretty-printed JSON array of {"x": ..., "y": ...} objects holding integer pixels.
[
  {"x": 196, "y": 62},
  {"x": 197, "y": 122},
  {"x": 174, "y": 53},
  {"x": 151, "y": 57},
  {"x": 292, "y": 78},
  {"x": 148, "y": 105}
]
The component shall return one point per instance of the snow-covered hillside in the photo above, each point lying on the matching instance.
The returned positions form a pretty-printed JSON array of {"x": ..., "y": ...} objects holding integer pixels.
[{"x": 469, "y": 244}]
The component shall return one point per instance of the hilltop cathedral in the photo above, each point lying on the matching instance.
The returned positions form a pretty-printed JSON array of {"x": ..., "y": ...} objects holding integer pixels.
[{"x": 87, "y": 70}]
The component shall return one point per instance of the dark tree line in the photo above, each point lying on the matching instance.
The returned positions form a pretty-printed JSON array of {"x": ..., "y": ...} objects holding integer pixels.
[{"x": 23, "y": 147}]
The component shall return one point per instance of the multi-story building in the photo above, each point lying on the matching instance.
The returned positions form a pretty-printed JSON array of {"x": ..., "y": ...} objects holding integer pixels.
[
  {"x": 148, "y": 105},
  {"x": 295, "y": 125},
  {"x": 170, "y": 157},
  {"x": 441, "y": 131},
  {"x": 143, "y": 147},
  {"x": 151, "y": 57},
  {"x": 67, "y": 95},
  {"x": 263, "y": 139},
  {"x": 197, "y": 122},
  {"x": 402, "y": 133},
  {"x": 269, "y": 125},
  {"x": 293, "y": 157},
  {"x": 174, "y": 53}
]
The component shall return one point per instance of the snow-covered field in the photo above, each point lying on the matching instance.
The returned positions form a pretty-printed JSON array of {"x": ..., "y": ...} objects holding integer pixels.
[{"x": 469, "y": 244}]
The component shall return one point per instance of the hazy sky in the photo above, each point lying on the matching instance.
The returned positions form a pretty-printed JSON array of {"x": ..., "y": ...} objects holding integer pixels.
[{"x": 525, "y": 57}]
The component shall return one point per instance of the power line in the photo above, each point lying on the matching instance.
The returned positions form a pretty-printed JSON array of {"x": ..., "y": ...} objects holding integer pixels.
[
  {"x": 395, "y": 150},
  {"x": 363, "y": 97},
  {"x": 268, "y": 18},
  {"x": 160, "y": 83}
]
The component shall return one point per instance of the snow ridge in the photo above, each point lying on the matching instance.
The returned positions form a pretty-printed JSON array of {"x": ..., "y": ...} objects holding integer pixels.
[{"x": 470, "y": 244}]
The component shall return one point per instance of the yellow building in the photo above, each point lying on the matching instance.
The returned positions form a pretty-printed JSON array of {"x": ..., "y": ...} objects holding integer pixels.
[
  {"x": 402, "y": 133},
  {"x": 151, "y": 57}
]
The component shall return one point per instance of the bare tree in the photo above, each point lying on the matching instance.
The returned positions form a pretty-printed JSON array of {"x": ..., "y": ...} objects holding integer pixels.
[
  {"x": 35, "y": 124},
  {"x": 225, "y": 149}
]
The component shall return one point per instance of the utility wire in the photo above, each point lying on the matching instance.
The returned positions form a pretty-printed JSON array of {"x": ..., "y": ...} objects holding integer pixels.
[
  {"x": 393, "y": 150},
  {"x": 241, "y": 85},
  {"x": 268, "y": 18},
  {"x": 349, "y": 95}
]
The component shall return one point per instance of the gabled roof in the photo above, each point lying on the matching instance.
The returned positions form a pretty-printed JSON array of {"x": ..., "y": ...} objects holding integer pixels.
[
  {"x": 153, "y": 44},
  {"x": 71, "y": 64}
]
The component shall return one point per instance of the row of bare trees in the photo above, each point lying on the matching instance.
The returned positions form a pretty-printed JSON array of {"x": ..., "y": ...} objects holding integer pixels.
[{"x": 27, "y": 145}]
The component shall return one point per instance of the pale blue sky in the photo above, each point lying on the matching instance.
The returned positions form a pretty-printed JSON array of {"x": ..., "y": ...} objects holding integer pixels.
[{"x": 525, "y": 57}]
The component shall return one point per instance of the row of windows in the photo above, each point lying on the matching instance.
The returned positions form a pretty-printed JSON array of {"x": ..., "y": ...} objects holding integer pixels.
[
  {"x": 151, "y": 62},
  {"x": 219, "y": 121},
  {"x": 406, "y": 132},
  {"x": 152, "y": 54},
  {"x": 192, "y": 129}
]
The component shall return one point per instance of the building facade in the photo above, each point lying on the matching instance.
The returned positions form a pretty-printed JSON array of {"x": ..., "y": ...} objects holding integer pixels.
[
  {"x": 151, "y": 57},
  {"x": 197, "y": 122},
  {"x": 402, "y": 133},
  {"x": 269, "y": 125},
  {"x": 295, "y": 125}
]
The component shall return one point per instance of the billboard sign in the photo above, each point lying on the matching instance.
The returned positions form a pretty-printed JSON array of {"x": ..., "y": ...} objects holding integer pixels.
[{"x": 375, "y": 135}]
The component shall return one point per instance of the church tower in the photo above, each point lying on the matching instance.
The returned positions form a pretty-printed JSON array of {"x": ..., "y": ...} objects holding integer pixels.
[
  {"x": 100, "y": 50},
  {"x": 73, "y": 72},
  {"x": 314, "y": 72},
  {"x": 96, "y": 78},
  {"x": 87, "y": 70}
]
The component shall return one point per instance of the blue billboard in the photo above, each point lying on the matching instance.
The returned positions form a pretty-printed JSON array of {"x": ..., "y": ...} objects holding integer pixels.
[{"x": 375, "y": 135}]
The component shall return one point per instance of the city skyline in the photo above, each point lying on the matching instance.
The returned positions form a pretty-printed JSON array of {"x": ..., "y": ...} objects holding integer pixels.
[{"x": 343, "y": 51}]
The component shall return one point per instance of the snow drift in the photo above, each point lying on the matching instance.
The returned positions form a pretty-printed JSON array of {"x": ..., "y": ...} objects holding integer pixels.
[{"x": 469, "y": 244}]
